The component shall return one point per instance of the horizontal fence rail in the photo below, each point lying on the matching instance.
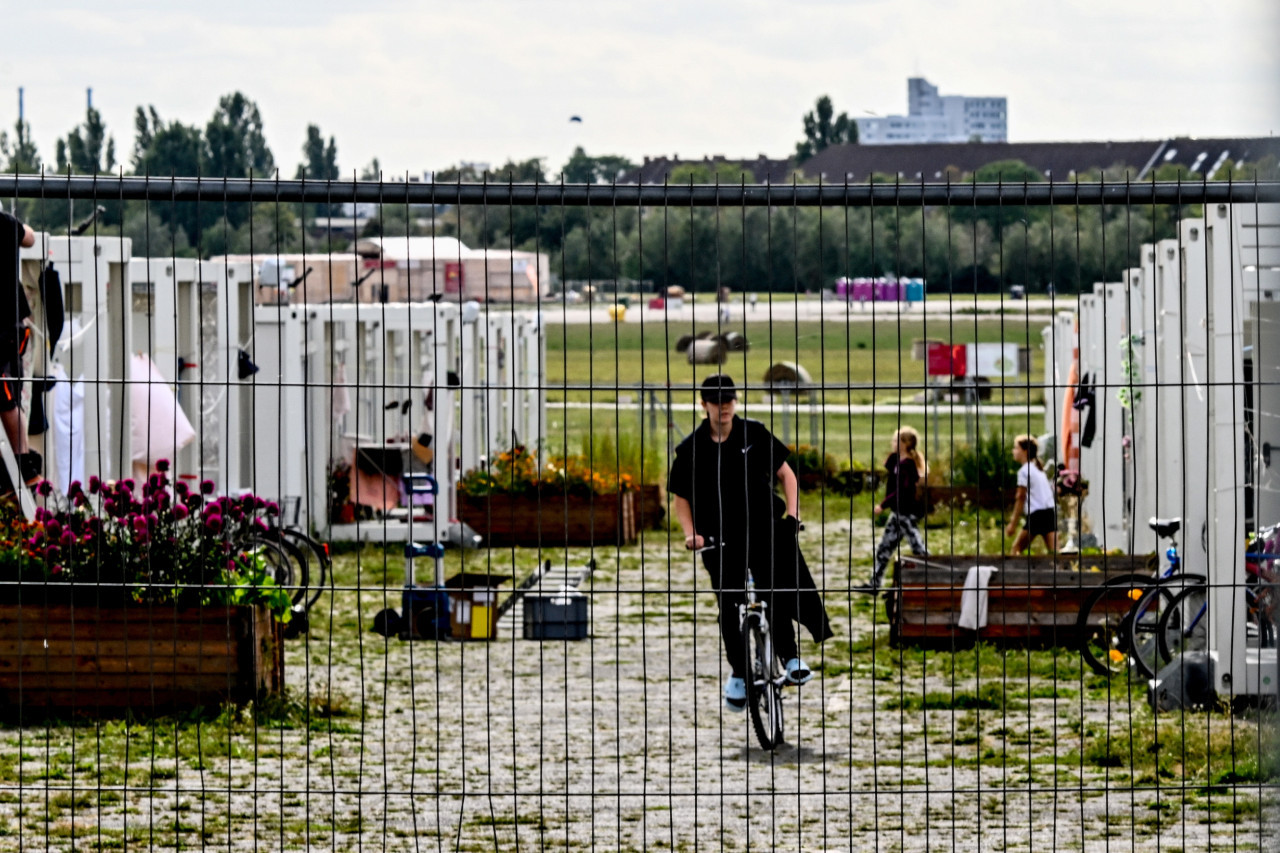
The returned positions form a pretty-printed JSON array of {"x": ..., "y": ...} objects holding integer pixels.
[{"x": 903, "y": 194}]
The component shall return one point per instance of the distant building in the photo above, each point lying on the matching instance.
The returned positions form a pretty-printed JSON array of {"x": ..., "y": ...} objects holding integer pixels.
[{"x": 938, "y": 118}]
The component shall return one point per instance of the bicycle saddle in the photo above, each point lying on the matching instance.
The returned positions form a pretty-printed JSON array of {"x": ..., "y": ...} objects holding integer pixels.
[{"x": 1165, "y": 527}]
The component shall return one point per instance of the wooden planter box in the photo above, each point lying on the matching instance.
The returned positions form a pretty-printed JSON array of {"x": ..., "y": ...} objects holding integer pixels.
[
  {"x": 651, "y": 507},
  {"x": 91, "y": 659},
  {"x": 1032, "y": 600},
  {"x": 551, "y": 520}
]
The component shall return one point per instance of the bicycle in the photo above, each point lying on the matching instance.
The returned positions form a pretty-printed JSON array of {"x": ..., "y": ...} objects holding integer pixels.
[
  {"x": 1184, "y": 626},
  {"x": 1119, "y": 623},
  {"x": 765, "y": 676}
]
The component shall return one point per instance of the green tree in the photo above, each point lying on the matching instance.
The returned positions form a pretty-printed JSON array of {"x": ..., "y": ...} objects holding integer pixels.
[
  {"x": 20, "y": 154},
  {"x": 87, "y": 150},
  {"x": 321, "y": 158},
  {"x": 234, "y": 140},
  {"x": 321, "y": 164},
  {"x": 582, "y": 168},
  {"x": 820, "y": 132}
]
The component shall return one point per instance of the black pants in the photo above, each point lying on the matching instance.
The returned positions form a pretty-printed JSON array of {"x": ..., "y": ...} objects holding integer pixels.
[{"x": 728, "y": 578}]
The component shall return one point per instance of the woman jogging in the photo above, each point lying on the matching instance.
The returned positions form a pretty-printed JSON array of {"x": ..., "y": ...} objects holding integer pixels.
[
  {"x": 723, "y": 479},
  {"x": 905, "y": 467},
  {"x": 1035, "y": 493}
]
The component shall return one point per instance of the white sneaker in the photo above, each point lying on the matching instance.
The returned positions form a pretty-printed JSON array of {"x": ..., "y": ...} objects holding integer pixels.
[
  {"x": 735, "y": 695},
  {"x": 798, "y": 671}
]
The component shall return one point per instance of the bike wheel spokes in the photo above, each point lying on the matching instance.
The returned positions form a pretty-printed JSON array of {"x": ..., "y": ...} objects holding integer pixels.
[
  {"x": 1143, "y": 625},
  {"x": 1185, "y": 625}
]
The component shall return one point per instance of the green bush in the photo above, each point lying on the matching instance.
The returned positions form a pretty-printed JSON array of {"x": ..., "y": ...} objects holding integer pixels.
[{"x": 989, "y": 464}]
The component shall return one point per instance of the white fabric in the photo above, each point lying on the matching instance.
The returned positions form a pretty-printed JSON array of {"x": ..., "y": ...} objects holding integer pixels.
[
  {"x": 66, "y": 429},
  {"x": 158, "y": 425},
  {"x": 341, "y": 400},
  {"x": 973, "y": 599},
  {"x": 1039, "y": 492}
]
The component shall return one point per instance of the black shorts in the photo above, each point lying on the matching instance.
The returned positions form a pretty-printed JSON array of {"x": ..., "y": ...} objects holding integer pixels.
[{"x": 1042, "y": 522}]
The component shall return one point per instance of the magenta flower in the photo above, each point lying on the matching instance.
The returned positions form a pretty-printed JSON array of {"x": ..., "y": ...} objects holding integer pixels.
[
  {"x": 95, "y": 484},
  {"x": 207, "y": 487},
  {"x": 162, "y": 464}
]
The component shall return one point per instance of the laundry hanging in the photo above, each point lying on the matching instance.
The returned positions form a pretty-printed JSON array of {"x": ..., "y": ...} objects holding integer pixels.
[{"x": 1087, "y": 399}]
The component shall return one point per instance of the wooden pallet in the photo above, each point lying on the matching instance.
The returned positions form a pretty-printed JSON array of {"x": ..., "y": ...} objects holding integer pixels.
[
  {"x": 1032, "y": 600},
  {"x": 143, "y": 658}
]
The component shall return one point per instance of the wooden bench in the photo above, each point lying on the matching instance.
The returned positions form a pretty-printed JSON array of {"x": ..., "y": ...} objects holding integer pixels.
[{"x": 1032, "y": 600}]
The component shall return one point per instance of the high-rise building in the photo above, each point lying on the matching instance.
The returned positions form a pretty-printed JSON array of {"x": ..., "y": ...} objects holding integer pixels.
[{"x": 938, "y": 118}]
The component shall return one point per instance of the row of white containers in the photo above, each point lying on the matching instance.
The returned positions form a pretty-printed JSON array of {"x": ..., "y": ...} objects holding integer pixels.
[
  {"x": 1186, "y": 337},
  {"x": 327, "y": 380}
]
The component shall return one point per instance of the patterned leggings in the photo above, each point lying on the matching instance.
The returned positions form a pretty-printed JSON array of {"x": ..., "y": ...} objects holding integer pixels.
[{"x": 899, "y": 526}]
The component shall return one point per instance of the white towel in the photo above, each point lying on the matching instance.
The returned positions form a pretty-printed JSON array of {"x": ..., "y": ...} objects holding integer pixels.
[{"x": 973, "y": 600}]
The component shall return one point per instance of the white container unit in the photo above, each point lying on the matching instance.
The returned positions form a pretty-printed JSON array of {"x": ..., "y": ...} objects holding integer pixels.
[
  {"x": 94, "y": 349},
  {"x": 1104, "y": 320},
  {"x": 187, "y": 317}
]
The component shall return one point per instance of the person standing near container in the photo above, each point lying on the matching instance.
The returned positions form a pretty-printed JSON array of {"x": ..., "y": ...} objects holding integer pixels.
[
  {"x": 905, "y": 467},
  {"x": 1035, "y": 493},
  {"x": 723, "y": 479},
  {"x": 15, "y": 336}
]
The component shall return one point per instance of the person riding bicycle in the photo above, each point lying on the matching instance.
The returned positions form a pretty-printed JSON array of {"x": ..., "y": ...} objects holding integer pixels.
[{"x": 723, "y": 478}]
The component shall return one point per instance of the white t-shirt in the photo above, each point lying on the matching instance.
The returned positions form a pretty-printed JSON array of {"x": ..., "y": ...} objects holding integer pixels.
[{"x": 1039, "y": 492}]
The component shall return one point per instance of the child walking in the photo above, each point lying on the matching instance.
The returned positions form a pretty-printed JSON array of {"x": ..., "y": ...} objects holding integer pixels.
[
  {"x": 1035, "y": 493},
  {"x": 906, "y": 467}
]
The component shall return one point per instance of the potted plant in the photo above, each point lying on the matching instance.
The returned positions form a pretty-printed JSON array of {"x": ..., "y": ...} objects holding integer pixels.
[
  {"x": 565, "y": 500},
  {"x": 139, "y": 595}
]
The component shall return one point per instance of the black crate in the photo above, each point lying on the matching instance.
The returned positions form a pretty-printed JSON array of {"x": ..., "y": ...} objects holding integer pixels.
[{"x": 556, "y": 617}]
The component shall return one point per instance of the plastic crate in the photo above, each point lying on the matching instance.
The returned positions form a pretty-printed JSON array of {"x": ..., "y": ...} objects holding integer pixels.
[{"x": 556, "y": 617}]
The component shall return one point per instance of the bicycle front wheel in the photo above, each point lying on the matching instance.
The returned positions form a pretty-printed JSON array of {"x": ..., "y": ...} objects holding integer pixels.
[{"x": 764, "y": 695}]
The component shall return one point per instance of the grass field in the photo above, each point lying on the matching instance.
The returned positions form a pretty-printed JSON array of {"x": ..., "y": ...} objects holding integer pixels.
[
  {"x": 856, "y": 364},
  {"x": 875, "y": 357}
]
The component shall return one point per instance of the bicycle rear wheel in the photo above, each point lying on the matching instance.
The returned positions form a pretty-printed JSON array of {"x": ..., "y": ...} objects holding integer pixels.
[
  {"x": 1102, "y": 626},
  {"x": 764, "y": 695},
  {"x": 1184, "y": 627}
]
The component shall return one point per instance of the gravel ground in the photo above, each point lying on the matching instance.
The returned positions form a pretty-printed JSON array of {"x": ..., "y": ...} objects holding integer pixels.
[{"x": 620, "y": 743}]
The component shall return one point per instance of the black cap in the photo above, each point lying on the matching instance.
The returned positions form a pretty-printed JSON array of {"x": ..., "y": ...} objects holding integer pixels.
[{"x": 718, "y": 388}]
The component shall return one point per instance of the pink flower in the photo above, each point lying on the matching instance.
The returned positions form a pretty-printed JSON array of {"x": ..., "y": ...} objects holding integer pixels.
[{"x": 162, "y": 464}]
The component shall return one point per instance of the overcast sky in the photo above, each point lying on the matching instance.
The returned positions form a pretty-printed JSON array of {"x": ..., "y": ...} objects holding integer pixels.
[{"x": 423, "y": 85}]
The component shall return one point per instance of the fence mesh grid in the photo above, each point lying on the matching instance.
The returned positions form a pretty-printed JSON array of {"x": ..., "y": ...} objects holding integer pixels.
[{"x": 413, "y": 523}]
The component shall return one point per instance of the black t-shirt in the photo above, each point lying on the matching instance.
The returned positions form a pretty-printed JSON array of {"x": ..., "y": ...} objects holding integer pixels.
[
  {"x": 11, "y": 297},
  {"x": 730, "y": 484},
  {"x": 900, "y": 491}
]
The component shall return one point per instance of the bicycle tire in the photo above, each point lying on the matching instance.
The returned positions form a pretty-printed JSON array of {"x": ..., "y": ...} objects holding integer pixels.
[
  {"x": 315, "y": 581},
  {"x": 763, "y": 693},
  {"x": 1100, "y": 631},
  {"x": 1143, "y": 624},
  {"x": 1184, "y": 627},
  {"x": 288, "y": 567},
  {"x": 300, "y": 578}
]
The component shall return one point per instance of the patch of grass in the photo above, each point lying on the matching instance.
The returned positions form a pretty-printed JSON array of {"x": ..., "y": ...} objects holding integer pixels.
[{"x": 988, "y": 697}]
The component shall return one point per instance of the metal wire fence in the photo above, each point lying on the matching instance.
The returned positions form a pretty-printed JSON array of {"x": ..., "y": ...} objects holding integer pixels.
[{"x": 420, "y": 516}]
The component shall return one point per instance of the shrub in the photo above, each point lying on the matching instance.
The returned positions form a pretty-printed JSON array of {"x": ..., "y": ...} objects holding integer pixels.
[{"x": 989, "y": 464}]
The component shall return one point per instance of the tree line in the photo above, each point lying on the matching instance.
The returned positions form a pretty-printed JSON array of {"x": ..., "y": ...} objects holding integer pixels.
[{"x": 955, "y": 249}]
